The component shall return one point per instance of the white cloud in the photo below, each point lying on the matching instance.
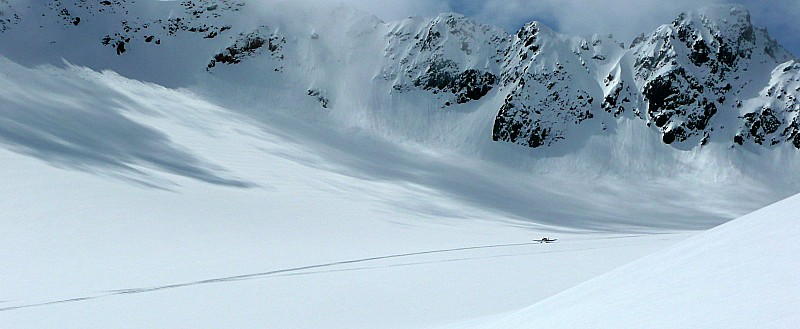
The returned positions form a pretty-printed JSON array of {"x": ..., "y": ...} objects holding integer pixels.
[
  {"x": 398, "y": 9},
  {"x": 387, "y": 10},
  {"x": 624, "y": 18}
]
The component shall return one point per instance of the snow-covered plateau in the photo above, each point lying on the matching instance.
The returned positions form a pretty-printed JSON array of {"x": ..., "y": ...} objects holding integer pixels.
[{"x": 244, "y": 164}]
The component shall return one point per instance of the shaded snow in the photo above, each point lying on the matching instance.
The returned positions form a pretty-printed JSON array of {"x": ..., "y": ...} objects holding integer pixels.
[
  {"x": 240, "y": 201},
  {"x": 361, "y": 242},
  {"x": 81, "y": 120}
]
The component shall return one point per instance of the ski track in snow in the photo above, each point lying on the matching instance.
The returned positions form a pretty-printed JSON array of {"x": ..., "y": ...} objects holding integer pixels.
[{"x": 297, "y": 271}]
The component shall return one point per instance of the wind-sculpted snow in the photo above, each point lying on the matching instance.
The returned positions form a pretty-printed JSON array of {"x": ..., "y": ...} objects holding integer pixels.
[{"x": 82, "y": 120}]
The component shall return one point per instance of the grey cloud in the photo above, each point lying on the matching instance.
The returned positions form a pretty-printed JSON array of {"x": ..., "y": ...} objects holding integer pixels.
[
  {"x": 627, "y": 18},
  {"x": 386, "y": 10},
  {"x": 624, "y": 18},
  {"x": 781, "y": 17}
]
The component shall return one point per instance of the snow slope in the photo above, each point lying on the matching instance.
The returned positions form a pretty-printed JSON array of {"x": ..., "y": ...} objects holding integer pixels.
[
  {"x": 742, "y": 274},
  {"x": 239, "y": 224},
  {"x": 52, "y": 114},
  {"x": 196, "y": 180},
  {"x": 343, "y": 82}
]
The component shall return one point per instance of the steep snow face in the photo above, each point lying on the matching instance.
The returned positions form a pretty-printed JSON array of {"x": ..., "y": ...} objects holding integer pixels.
[
  {"x": 577, "y": 105},
  {"x": 110, "y": 126},
  {"x": 742, "y": 274},
  {"x": 227, "y": 212}
]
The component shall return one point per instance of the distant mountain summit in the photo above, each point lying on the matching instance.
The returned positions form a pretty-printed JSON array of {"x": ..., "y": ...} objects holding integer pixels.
[{"x": 710, "y": 76}]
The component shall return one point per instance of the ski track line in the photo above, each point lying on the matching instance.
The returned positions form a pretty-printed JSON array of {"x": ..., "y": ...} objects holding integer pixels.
[
  {"x": 443, "y": 261},
  {"x": 289, "y": 272}
]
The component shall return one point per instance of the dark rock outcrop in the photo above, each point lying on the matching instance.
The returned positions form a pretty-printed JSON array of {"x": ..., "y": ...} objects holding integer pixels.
[
  {"x": 251, "y": 44},
  {"x": 440, "y": 56}
]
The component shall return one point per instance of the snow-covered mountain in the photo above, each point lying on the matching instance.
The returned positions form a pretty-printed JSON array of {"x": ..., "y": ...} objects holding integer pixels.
[
  {"x": 127, "y": 204},
  {"x": 706, "y": 100},
  {"x": 209, "y": 164},
  {"x": 535, "y": 101},
  {"x": 709, "y": 76}
]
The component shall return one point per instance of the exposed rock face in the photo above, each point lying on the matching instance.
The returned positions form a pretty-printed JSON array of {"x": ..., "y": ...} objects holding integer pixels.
[
  {"x": 776, "y": 118},
  {"x": 320, "y": 96},
  {"x": 451, "y": 56},
  {"x": 687, "y": 80},
  {"x": 709, "y": 76},
  {"x": 696, "y": 67},
  {"x": 199, "y": 16},
  {"x": 261, "y": 40},
  {"x": 545, "y": 75}
]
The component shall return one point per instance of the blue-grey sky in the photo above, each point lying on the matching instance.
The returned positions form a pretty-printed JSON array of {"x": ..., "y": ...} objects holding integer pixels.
[
  {"x": 627, "y": 18},
  {"x": 624, "y": 18}
]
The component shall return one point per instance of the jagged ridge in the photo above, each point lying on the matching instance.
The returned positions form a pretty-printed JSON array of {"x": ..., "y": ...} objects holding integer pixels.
[{"x": 708, "y": 76}]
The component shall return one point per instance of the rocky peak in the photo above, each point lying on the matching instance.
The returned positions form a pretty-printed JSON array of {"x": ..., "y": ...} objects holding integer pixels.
[
  {"x": 550, "y": 86},
  {"x": 525, "y": 45},
  {"x": 687, "y": 80},
  {"x": 728, "y": 21},
  {"x": 728, "y": 32},
  {"x": 694, "y": 69},
  {"x": 450, "y": 55},
  {"x": 709, "y": 75}
]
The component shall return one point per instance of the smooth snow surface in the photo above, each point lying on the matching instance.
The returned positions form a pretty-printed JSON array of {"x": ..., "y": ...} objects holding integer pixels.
[
  {"x": 742, "y": 274},
  {"x": 143, "y": 191},
  {"x": 130, "y": 205}
]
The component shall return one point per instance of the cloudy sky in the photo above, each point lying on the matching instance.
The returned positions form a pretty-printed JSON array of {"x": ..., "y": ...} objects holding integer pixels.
[{"x": 624, "y": 18}]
